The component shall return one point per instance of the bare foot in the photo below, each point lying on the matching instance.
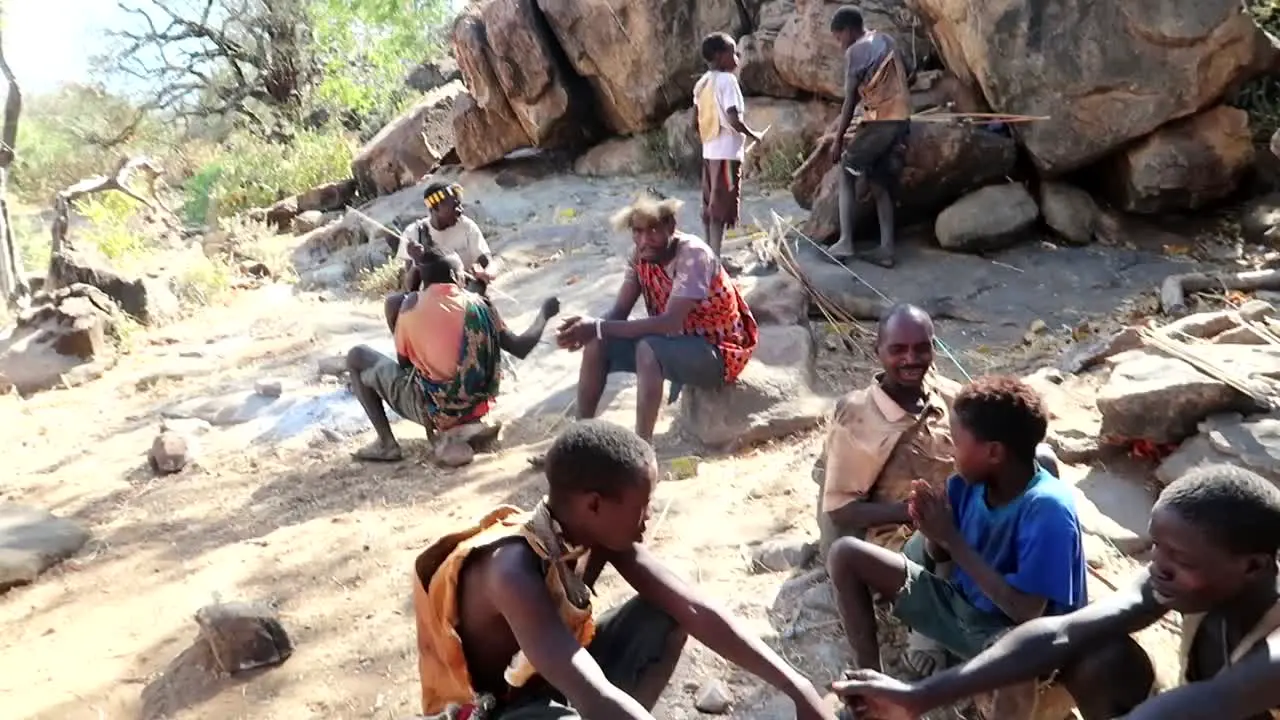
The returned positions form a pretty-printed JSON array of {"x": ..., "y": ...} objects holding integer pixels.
[
  {"x": 842, "y": 250},
  {"x": 879, "y": 256},
  {"x": 378, "y": 452}
]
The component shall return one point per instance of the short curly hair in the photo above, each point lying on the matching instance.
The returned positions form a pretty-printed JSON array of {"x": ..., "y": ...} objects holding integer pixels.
[
  {"x": 597, "y": 456},
  {"x": 1237, "y": 508},
  {"x": 1005, "y": 410},
  {"x": 716, "y": 43},
  {"x": 847, "y": 18}
]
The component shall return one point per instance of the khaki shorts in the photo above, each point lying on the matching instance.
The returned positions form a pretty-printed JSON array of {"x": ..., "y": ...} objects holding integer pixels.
[{"x": 398, "y": 389}]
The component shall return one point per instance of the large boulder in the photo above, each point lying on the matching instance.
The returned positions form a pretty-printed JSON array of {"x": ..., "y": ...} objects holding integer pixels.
[
  {"x": 431, "y": 74},
  {"x": 619, "y": 156},
  {"x": 409, "y": 147},
  {"x": 772, "y": 397},
  {"x": 485, "y": 128},
  {"x": 1253, "y": 443},
  {"x": 641, "y": 57},
  {"x": 63, "y": 339},
  {"x": 1123, "y": 70},
  {"x": 794, "y": 129},
  {"x": 808, "y": 57},
  {"x": 1160, "y": 399},
  {"x": 32, "y": 541},
  {"x": 1184, "y": 165},
  {"x": 776, "y": 299},
  {"x": 757, "y": 72},
  {"x": 150, "y": 300},
  {"x": 943, "y": 162},
  {"x": 991, "y": 218}
]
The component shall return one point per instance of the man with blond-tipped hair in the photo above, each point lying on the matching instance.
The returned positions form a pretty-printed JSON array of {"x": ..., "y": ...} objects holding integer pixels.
[{"x": 699, "y": 330}]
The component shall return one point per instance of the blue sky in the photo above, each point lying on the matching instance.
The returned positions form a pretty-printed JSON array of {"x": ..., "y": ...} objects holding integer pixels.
[{"x": 50, "y": 42}]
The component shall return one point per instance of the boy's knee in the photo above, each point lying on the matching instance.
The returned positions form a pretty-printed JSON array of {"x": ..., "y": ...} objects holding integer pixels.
[
  {"x": 647, "y": 361},
  {"x": 1112, "y": 680},
  {"x": 844, "y": 558},
  {"x": 359, "y": 358}
]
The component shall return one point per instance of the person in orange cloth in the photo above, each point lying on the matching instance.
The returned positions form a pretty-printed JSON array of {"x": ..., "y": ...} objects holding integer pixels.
[{"x": 505, "y": 623}]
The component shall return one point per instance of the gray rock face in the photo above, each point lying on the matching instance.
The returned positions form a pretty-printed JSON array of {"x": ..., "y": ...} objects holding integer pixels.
[
  {"x": 1253, "y": 443},
  {"x": 1160, "y": 399},
  {"x": 32, "y": 541},
  {"x": 988, "y": 219},
  {"x": 149, "y": 300},
  {"x": 776, "y": 299},
  {"x": 1070, "y": 211},
  {"x": 772, "y": 397}
]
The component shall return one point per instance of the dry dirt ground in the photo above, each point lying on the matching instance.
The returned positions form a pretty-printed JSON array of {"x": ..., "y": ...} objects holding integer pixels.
[{"x": 275, "y": 510}]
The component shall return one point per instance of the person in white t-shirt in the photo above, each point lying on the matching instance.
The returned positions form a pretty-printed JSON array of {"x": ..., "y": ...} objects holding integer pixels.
[
  {"x": 718, "y": 120},
  {"x": 454, "y": 233}
]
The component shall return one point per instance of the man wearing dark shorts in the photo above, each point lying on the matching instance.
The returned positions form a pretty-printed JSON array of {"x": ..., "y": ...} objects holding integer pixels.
[
  {"x": 873, "y": 160},
  {"x": 699, "y": 331}
]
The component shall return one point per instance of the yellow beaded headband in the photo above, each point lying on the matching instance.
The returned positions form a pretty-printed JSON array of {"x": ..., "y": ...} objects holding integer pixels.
[{"x": 439, "y": 196}]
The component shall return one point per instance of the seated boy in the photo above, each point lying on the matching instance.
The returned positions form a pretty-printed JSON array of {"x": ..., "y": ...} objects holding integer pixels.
[
  {"x": 446, "y": 227},
  {"x": 1007, "y": 526},
  {"x": 513, "y": 593},
  {"x": 1216, "y": 533}
]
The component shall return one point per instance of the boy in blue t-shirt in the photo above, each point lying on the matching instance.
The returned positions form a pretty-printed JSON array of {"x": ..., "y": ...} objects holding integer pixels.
[{"x": 1008, "y": 527}]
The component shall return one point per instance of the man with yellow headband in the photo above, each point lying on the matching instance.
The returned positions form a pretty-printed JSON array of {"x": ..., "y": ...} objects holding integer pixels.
[{"x": 450, "y": 230}]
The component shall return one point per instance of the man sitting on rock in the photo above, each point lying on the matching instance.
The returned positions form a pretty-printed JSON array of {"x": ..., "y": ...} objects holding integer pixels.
[
  {"x": 699, "y": 330},
  {"x": 447, "y": 369},
  {"x": 1006, "y": 524},
  {"x": 1216, "y": 533},
  {"x": 876, "y": 78},
  {"x": 446, "y": 227},
  {"x": 503, "y": 608}
]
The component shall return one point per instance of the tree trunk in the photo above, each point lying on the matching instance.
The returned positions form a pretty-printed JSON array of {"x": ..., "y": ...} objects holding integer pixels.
[{"x": 13, "y": 283}]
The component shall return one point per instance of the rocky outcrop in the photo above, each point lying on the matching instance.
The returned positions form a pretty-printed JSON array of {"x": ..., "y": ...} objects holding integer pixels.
[
  {"x": 943, "y": 162},
  {"x": 1184, "y": 165},
  {"x": 243, "y": 636},
  {"x": 484, "y": 127},
  {"x": 410, "y": 146},
  {"x": 757, "y": 70},
  {"x": 1123, "y": 70},
  {"x": 772, "y": 397},
  {"x": 1253, "y": 443},
  {"x": 63, "y": 339},
  {"x": 149, "y": 300},
  {"x": 808, "y": 57},
  {"x": 991, "y": 218},
  {"x": 640, "y": 57},
  {"x": 431, "y": 74},
  {"x": 32, "y": 541}
]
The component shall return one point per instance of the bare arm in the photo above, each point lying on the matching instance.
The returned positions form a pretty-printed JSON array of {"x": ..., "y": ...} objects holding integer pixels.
[
  {"x": 670, "y": 322},
  {"x": 737, "y": 123},
  {"x": 852, "y": 78},
  {"x": 709, "y": 625},
  {"x": 1043, "y": 645},
  {"x": 628, "y": 295},
  {"x": 1249, "y": 688},
  {"x": 861, "y": 515},
  {"x": 513, "y": 579}
]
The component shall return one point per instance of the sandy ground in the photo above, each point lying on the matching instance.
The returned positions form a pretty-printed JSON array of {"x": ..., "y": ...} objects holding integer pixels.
[{"x": 287, "y": 517}]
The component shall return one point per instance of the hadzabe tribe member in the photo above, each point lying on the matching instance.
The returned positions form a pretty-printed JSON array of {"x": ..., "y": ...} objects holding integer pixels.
[
  {"x": 448, "y": 228},
  {"x": 1216, "y": 532},
  {"x": 446, "y": 372},
  {"x": 699, "y": 330},
  {"x": 875, "y": 77},
  {"x": 505, "y": 625}
]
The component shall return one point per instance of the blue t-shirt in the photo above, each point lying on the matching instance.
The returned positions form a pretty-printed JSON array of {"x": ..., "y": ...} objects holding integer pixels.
[{"x": 1034, "y": 542}]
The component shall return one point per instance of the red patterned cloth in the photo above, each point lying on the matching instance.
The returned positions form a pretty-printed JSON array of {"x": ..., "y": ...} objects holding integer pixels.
[{"x": 723, "y": 317}]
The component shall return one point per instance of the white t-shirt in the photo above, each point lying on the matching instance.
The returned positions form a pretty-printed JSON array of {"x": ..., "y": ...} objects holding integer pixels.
[
  {"x": 729, "y": 144},
  {"x": 463, "y": 239}
]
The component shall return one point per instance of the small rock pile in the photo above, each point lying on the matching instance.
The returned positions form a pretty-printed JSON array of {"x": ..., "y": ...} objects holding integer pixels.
[{"x": 64, "y": 338}]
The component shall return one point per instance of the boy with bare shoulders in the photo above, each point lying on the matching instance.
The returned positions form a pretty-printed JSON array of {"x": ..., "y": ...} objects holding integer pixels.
[{"x": 513, "y": 593}]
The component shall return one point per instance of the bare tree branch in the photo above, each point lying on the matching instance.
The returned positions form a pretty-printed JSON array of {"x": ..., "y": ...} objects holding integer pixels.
[
  {"x": 118, "y": 180},
  {"x": 13, "y": 284}
]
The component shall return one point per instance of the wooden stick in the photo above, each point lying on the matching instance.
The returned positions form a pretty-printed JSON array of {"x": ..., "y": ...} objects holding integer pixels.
[{"x": 1174, "y": 289}]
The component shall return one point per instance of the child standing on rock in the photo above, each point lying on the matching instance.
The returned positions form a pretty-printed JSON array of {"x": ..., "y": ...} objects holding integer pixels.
[{"x": 719, "y": 109}]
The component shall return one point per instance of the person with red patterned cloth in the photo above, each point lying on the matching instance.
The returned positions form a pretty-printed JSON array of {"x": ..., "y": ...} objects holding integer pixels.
[{"x": 699, "y": 330}]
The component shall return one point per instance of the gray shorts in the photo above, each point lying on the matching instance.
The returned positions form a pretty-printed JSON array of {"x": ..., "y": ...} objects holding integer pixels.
[
  {"x": 684, "y": 359},
  {"x": 629, "y": 639},
  {"x": 398, "y": 389},
  {"x": 935, "y": 607}
]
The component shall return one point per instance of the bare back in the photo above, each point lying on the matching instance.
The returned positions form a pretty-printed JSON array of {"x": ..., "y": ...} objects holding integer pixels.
[{"x": 487, "y": 640}]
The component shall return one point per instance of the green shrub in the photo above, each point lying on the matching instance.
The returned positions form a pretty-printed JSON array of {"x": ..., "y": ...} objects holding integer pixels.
[
  {"x": 1260, "y": 97},
  {"x": 112, "y": 224}
]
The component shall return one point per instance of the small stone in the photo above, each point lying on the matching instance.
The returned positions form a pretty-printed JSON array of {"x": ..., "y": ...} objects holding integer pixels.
[
  {"x": 781, "y": 555},
  {"x": 268, "y": 388},
  {"x": 170, "y": 452},
  {"x": 713, "y": 698},
  {"x": 820, "y": 598},
  {"x": 32, "y": 541},
  {"x": 335, "y": 365},
  {"x": 453, "y": 453},
  {"x": 243, "y": 636}
]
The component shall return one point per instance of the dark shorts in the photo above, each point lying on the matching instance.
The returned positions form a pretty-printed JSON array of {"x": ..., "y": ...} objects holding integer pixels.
[
  {"x": 721, "y": 191},
  {"x": 684, "y": 359},
  {"x": 398, "y": 389},
  {"x": 935, "y": 608},
  {"x": 630, "y": 639},
  {"x": 878, "y": 150}
]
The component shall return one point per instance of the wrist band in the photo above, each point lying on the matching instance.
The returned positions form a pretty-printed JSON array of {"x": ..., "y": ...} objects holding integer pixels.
[{"x": 599, "y": 330}]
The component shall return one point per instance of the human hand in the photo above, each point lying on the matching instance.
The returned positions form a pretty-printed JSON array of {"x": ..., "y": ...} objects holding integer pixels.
[
  {"x": 550, "y": 307},
  {"x": 575, "y": 332},
  {"x": 876, "y": 696},
  {"x": 837, "y": 149},
  {"x": 414, "y": 250},
  {"x": 931, "y": 514},
  {"x": 481, "y": 274}
]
